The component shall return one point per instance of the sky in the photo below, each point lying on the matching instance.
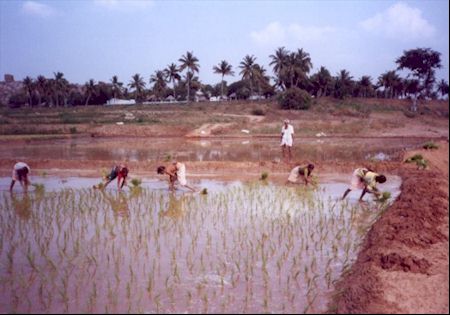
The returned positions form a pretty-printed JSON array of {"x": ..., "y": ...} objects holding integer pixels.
[{"x": 97, "y": 39}]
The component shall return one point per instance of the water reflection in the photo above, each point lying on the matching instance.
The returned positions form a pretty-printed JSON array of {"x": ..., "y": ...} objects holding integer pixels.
[
  {"x": 175, "y": 207},
  {"x": 209, "y": 150},
  {"x": 118, "y": 203},
  {"x": 22, "y": 205}
]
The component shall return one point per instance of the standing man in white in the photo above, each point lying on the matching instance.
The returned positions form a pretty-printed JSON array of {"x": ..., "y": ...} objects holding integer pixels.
[{"x": 287, "y": 139}]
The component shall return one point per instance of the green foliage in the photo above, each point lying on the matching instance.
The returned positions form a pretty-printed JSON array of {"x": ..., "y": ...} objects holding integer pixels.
[
  {"x": 39, "y": 188},
  {"x": 430, "y": 145},
  {"x": 419, "y": 160},
  {"x": 414, "y": 158},
  {"x": 385, "y": 196},
  {"x": 264, "y": 176},
  {"x": 294, "y": 98},
  {"x": 136, "y": 182},
  {"x": 168, "y": 157},
  {"x": 258, "y": 112},
  {"x": 422, "y": 164}
]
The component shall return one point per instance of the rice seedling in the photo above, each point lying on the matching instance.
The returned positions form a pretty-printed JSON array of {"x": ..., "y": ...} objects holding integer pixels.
[{"x": 249, "y": 248}]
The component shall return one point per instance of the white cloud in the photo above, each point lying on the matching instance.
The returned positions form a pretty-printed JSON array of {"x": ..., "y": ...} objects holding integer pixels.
[
  {"x": 273, "y": 33},
  {"x": 124, "y": 4},
  {"x": 400, "y": 21},
  {"x": 310, "y": 33},
  {"x": 38, "y": 9},
  {"x": 277, "y": 34}
]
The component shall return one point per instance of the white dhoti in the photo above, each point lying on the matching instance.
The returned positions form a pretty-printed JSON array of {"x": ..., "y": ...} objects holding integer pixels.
[
  {"x": 294, "y": 175},
  {"x": 357, "y": 181},
  {"x": 287, "y": 141},
  {"x": 181, "y": 174}
]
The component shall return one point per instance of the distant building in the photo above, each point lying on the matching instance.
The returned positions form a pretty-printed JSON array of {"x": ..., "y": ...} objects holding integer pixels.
[
  {"x": 200, "y": 96},
  {"x": 117, "y": 101},
  {"x": 170, "y": 98}
]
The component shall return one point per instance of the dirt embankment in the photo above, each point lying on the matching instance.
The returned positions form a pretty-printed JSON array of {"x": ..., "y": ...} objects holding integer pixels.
[{"x": 403, "y": 267}]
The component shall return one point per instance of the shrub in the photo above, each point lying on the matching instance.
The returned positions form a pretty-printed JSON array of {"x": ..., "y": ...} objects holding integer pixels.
[
  {"x": 414, "y": 158},
  {"x": 410, "y": 114},
  {"x": 294, "y": 98},
  {"x": 264, "y": 176},
  {"x": 258, "y": 112},
  {"x": 430, "y": 145}
]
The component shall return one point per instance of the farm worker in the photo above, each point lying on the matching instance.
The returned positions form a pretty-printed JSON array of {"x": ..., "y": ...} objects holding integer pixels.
[
  {"x": 287, "y": 139},
  {"x": 121, "y": 173},
  {"x": 176, "y": 172},
  {"x": 20, "y": 173},
  {"x": 367, "y": 180},
  {"x": 299, "y": 171}
]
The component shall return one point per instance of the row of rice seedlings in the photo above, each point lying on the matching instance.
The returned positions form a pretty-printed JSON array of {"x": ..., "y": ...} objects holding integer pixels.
[{"x": 258, "y": 247}]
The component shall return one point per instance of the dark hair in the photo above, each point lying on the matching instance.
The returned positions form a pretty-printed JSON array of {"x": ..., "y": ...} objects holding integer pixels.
[
  {"x": 160, "y": 169},
  {"x": 380, "y": 179},
  {"x": 22, "y": 173}
]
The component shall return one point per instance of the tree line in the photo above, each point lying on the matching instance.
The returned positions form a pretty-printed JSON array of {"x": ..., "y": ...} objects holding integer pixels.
[{"x": 291, "y": 70}]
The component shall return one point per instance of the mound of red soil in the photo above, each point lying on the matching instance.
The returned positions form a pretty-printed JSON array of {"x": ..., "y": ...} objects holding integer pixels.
[{"x": 403, "y": 241}]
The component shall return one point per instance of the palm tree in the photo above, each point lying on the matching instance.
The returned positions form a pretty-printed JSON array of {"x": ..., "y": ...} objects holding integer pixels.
[
  {"x": 260, "y": 77},
  {"x": 279, "y": 63},
  {"x": 137, "y": 83},
  {"x": 116, "y": 86},
  {"x": 49, "y": 90},
  {"x": 365, "y": 86},
  {"x": 173, "y": 75},
  {"x": 223, "y": 68},
  {"x": 343, "y": 84},
  {"x": 28, "y": 84},
  {"x": 90, "y": 89},
  {"x": 60, "y": 87},
  {"x": 322, "y": 81},
  {"x": 248, "y": 70},
  {"x": 40, "y": 86},
  {"x": 301, "y": 65},
  {"x": 159, "y": 80},
  {"x": 189, "y": 62},
  {"x": 389, "y": 81}
]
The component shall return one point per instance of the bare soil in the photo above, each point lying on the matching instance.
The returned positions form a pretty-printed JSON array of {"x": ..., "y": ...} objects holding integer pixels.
[{"x": 403, "y": 267}]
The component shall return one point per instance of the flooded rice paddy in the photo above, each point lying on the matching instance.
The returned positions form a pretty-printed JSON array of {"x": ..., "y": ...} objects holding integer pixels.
[
  {"x": 242, "y": 248},
  {"x": 251, "y": 149}
]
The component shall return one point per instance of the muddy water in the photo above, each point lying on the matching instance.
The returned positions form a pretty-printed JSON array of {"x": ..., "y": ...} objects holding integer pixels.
[
  {"x": 244, "y": 247},
  {"x": 316, "y": 149}
]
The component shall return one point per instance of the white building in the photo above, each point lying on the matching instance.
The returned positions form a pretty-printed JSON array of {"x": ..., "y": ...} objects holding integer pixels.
[{"x": 117, "y": 101}]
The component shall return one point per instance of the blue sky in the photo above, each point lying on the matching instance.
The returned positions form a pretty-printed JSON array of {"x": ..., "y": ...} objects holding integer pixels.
[{"x": 98, "y": 39}]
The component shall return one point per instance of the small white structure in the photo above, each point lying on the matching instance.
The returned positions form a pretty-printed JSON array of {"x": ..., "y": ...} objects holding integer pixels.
[
  {"x": 214, "y": 98},
  {"x": 117, "y": 101},
  {"x": 200, "y": 96},
  {"x": 170, "y": 99}
]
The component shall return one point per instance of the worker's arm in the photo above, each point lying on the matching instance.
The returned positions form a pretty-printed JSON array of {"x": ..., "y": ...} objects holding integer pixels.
[
  {"x": 124, "y": 182},
  {"x": 12, "y": 185}
]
